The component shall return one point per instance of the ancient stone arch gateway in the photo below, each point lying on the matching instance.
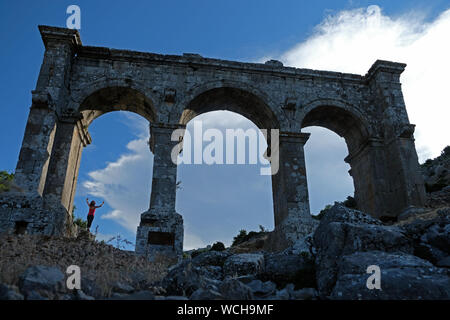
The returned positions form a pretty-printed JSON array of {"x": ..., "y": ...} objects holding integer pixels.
[{"x": 79, "y": 83}]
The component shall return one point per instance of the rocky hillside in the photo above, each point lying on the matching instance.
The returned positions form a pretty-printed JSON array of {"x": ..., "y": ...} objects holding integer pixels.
[
  {"x": 436, "y": 173},
  {"x": 413, "y": 256},
  {"x": 34, "y": 266}
]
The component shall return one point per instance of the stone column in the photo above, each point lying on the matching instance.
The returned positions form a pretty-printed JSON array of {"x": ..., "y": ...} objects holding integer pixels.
[
  {"x": 406, "y": 180},
  {"x": 32, "y": 165},
  {"x": 47, "y": 100},
  {"x": 161, "y": 228},
  {"x": 291, "y": 204},
  {"x": 24, "y": 211},
  {"x": 404, "y": 184},
  {"x": 70, "y": 139},
  {"x": 368, "y": 169}
]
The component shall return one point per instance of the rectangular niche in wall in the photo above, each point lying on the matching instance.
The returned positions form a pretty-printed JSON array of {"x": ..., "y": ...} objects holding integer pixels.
[
  {"x": 20, "y": 227},
  {"x": 161, "y": 238}
]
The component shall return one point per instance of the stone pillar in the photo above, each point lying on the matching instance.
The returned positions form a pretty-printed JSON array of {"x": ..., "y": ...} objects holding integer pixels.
[
  {"x": 70, "y": 138},
  {"x": 32, "y": 165},
  {"x": 161, "y": 228},
  {"x": 291, "y": 204},
  {"x": 403, "y": 182},
  {"x": 25, "y": 210},
  {"x": 47, "y": 100},
  {"x": 406, "y": 180},
  {"x": 368, "y": 169}
]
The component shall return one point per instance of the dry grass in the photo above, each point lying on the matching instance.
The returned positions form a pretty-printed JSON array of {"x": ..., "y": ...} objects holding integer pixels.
[
  {"x": 431, "y": 214},
  {"x": 255, "y": 244},
  {"x": 98, "y": 261}
]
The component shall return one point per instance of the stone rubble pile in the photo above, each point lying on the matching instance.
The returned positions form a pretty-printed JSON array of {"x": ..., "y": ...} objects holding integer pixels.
[{"x": 331, "y": 263}]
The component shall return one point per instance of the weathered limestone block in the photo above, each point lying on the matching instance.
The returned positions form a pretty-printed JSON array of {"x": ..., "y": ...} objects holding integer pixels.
[{"x": 244, "y": 264}]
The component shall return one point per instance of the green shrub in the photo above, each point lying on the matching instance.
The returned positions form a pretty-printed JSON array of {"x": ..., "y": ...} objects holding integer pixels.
[
  {"x": 5, "y": 181},
  {"x": 239, "y": 238},
  {"x": 350, "y": 202},
  {"x": 218, "y": 246},
  {"x": 81, "y": 223}
]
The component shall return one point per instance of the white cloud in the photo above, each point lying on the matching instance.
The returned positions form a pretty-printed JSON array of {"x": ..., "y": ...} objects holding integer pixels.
[{"x": 352, "y": 40}]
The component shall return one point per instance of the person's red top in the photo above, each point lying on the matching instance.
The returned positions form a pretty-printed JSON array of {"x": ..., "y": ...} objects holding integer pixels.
[{"x": 91, "y": 211}]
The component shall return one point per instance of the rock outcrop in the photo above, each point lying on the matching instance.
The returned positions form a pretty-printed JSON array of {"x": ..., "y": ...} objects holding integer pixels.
[
  {"x": 349, "y": 241},
  {"x": 412, "y": 256}
]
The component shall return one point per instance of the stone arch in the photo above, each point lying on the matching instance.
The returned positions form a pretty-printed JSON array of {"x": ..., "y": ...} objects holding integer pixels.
[
  {"x": 72, "y": 136},
  {"x": 254, "y": 105},
  {"x": 338, "y": 116},
  {"x": 365, "y": 155},
  {"x": 104, "y": 96},
  {"x": 230, "y": 96}
]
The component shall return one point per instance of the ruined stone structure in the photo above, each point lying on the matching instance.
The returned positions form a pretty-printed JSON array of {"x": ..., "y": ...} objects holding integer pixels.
[{"x": 79, "y": 83}]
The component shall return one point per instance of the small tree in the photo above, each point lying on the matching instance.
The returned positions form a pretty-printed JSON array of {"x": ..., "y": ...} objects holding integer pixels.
[
  {"x": 350, "y": 202},
  {"x": 81, "y": 223},
  {"x": 218, "y": 246},
  {"x": 240, "y": 237}
]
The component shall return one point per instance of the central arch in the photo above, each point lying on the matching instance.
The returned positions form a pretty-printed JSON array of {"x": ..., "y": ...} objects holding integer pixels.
[
  {"x": 242, "y": 100},
  {"x": 253, "y": 106}
]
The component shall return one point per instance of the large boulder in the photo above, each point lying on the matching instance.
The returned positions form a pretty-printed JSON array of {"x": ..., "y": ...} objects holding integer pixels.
[
  {"x": 183, "y": 279},
  {"x": 285, "y": 267},
  {"x": 403, "y": 276},
  {"x": 233, "y": 289},
  {"x": 411, "y": 212},
  {"x": 343, "y": 231},
  {"x": 438, "y": 236},
  {"x": 206, "y": 294},
  {"x": 211, "y": 272},
  {"x": 303, "y": 246},
  {"x": 262, "y": 289},
  {"x": 211, "y": 258},
  {"x": 8, "y": 292},
  {"x": 42, "y": 281},
  {"x": 244, "y": 264},
  {"x": 431, "y": 236},
  {"x": 90, "y": 287}
]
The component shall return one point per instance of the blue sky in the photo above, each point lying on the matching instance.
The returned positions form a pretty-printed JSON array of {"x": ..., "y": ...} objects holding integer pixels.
[{"x": 217, "y": 201}]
